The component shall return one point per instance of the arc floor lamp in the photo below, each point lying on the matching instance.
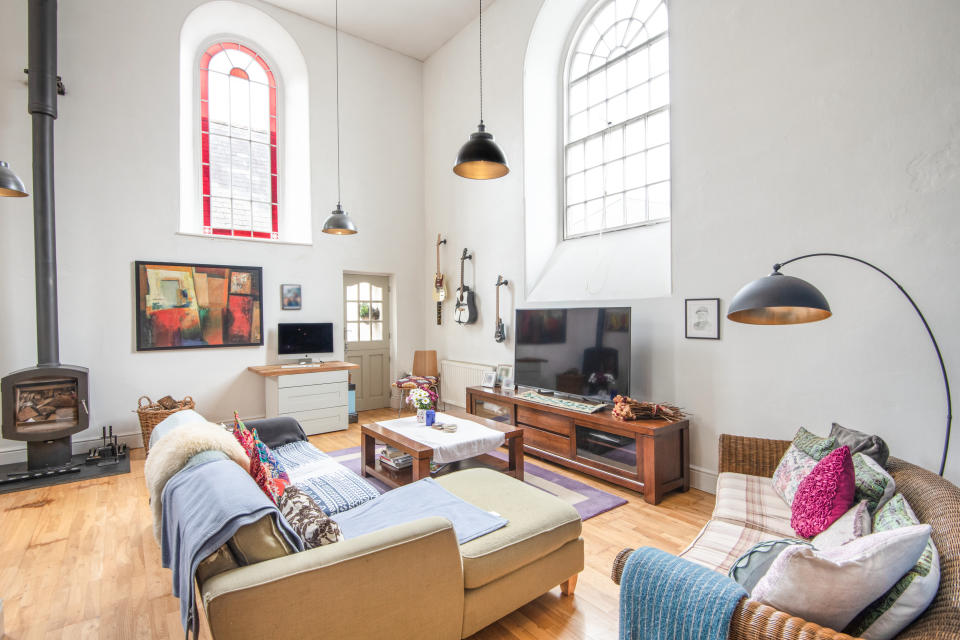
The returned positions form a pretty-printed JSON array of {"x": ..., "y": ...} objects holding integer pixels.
[{"x": 780, "y": 299}]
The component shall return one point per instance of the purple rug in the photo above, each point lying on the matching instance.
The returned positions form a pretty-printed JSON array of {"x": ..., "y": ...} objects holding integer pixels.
[{"x": 587, "y": 500}]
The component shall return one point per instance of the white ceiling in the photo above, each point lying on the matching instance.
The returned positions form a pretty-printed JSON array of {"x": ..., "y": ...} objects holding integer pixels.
[{"x": 416, "y": 28}]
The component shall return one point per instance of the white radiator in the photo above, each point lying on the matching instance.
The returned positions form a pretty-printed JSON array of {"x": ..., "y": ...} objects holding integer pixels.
[{"x": 456, "y": 376}]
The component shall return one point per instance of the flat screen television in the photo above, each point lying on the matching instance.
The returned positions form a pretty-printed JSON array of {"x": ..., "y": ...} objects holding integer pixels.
[
  {"x": 581, "y": 352},
  {"x": 304, "y": 338}
]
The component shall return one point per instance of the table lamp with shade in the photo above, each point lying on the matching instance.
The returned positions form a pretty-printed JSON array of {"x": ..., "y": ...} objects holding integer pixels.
[{"x": 781, "y": 299}]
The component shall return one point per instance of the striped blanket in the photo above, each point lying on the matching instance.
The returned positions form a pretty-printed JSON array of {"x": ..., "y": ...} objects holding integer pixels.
[
  {"x": 663, "y": 597},
  {"x": 331, "y": 485}
]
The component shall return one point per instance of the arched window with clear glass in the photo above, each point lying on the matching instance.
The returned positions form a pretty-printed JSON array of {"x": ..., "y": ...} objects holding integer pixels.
[
  {"x": 617, "y": 119},
  {"x": 238, "y": 129}
]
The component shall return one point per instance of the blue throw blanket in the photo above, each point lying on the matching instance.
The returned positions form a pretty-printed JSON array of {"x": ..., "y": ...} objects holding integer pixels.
[
  {"x": 417, "y": 500},
  {"x": 203, "y": 506},
  {"x": 663, "y": 597}
]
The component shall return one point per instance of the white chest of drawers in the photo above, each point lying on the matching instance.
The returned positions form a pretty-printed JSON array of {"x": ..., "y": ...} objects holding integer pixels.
[{"x": 315, "y": 396}]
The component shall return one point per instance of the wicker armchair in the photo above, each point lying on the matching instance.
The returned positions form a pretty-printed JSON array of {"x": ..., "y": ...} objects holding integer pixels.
[{"x": 935, "y": 501}]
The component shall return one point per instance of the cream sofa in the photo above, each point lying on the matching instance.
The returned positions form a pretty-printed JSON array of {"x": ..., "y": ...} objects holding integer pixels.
[{"x": 411, "y": 580}]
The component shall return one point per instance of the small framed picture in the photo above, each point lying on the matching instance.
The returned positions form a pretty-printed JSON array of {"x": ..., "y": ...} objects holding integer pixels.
[
  {"x": 702, "y": 316},
  {"x": 290, "y": 297},
  {"x": 504, "y": 371},
  {"x": 507, "y": 384},
  {"x": 489, "y": 379}
]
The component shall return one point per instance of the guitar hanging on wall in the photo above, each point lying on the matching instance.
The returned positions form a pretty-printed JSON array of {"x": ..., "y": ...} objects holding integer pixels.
[
  {"x": 466, "y": 310},
  {"x": 439, "y": 288},
  {"x": 501, "y": 333}
]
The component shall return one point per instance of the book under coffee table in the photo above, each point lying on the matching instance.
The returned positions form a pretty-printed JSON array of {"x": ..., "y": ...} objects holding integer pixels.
[{"x": 423, "y": 454}]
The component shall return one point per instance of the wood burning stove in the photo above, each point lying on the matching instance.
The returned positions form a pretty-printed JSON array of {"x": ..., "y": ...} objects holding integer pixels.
[{"x": 44, "y": 406}]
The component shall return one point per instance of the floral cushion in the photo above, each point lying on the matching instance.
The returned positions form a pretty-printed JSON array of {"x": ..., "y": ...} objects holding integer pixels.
[
  {"x": 912, "y": 594},
  {"x": 416, "y": 381},
  {"x": 824, "y": 495},
  {"x": 803, "y": 455},
  {"x": 313, "y": 526}
]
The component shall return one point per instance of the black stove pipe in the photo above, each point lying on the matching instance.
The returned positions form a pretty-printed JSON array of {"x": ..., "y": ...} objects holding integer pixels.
[{"x": 42, "y": 105}]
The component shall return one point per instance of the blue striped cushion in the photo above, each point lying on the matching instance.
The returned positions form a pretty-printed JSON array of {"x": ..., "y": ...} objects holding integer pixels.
[{"x": 331, "y": 485}]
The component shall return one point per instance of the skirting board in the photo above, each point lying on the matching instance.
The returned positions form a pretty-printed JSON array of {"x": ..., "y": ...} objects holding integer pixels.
[{"x": 703, "y": 479}]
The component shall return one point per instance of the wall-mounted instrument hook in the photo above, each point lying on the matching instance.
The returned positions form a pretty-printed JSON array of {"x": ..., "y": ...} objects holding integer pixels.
[
  {"x": 441, "y": 241},
  {"x": 501, "y": 281},
  {"x": 466, "y": 256}
]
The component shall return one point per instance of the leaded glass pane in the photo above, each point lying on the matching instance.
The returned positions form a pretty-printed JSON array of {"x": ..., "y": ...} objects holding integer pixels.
[{"x": 239, "y": 146}]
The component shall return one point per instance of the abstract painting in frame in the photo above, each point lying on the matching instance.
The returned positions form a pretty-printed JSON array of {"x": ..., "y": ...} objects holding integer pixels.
[{"x": 193, "y": 306}]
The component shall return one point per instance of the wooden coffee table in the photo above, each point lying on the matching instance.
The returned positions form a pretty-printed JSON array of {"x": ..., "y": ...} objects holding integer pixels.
[{"x": 422, "y": 454}]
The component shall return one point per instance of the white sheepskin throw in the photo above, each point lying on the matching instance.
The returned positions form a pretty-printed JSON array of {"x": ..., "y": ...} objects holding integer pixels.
[{"x": 174, "y": 450}]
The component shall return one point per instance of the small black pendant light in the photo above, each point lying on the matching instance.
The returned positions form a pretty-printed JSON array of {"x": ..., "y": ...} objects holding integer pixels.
[
  {"x": 339, "y": 222},
  {"x": 481, "y": 158},
  {"x": 11, "y": 185}
]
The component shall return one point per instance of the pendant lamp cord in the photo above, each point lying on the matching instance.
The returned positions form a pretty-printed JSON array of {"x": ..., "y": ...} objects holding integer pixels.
[
  {"x": 481, "y": 60},
  {"x": 336, "y": 36}
]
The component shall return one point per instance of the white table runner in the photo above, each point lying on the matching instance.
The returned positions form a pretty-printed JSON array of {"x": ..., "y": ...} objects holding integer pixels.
[{"x": 470, "y": 439}]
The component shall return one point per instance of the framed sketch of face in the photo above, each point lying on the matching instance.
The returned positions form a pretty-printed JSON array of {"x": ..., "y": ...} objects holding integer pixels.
[
  {"x": 489, "y": 379},
  {"x": 702, "y": 318},
  {"x": 504, "y": 371}
]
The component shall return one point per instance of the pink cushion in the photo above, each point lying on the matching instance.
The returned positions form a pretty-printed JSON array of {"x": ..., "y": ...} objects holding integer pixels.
[{"x": 824, "y": 495}]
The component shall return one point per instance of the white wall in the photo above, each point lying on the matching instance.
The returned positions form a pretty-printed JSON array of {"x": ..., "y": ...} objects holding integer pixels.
[
  {"x": 118, "y": 201},
  {"x": 796, "y": 127}
]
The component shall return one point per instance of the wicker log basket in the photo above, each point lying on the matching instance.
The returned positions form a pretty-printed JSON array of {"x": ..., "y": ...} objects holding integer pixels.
[{"x": 153, "y": 413}]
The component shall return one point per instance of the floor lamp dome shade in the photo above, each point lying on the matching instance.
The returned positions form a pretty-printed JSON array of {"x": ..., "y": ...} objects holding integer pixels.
[
  {"x": 481, "y": 158},
  {"x": 339, "y": 223},
  {"x": 778, "y": 299},
  {"x": 11, "y": 186}
]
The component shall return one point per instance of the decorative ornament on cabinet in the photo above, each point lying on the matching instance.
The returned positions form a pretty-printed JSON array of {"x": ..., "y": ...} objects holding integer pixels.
[{"x": 501, "y": 333}]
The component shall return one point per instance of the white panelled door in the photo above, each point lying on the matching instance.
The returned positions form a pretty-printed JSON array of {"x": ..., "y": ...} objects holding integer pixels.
[{"x": 367, "y": 337}]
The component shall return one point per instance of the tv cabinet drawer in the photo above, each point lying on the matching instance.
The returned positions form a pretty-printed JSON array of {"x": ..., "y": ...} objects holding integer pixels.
[
  {"x": 546, "y": 441},
  {"x": 317, "y": 377},
  {"x": 544, "y": 420}
]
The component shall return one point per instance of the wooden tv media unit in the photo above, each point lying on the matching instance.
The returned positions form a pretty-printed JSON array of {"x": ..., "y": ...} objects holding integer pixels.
[{"x": 649, "y": 456}]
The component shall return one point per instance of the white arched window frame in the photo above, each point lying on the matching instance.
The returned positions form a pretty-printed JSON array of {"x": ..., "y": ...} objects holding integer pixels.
[
  {"x": 616, "y": 152},
  {"x": 229, "y": 21}
]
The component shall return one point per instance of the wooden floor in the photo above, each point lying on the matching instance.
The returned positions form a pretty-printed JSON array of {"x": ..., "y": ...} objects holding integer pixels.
[{"x": 79, "y": 560}]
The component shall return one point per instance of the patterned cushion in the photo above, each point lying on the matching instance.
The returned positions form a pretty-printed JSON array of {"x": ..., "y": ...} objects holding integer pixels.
[
  {"x": 243, "y": 435},
  {"x": 331, "y": 485},
  {"x": 412, "y": 382},
  {"x": 313, "y": 526},
  {"x": 824, "y": 495},
  {"x": 752, "y": 502},
  {"x": 909, "y": 597},
  {"x": 874, "y": 484},
  {"x": 801, "y": 457},
  {"x": 267, "y": 471},
  {"x": 720, "y": 543}
]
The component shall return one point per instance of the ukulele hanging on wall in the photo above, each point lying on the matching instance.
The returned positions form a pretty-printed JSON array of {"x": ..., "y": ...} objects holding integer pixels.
[
  {"x": 466, "y": 310},
  {"x": 439, "y": 288},
  {"x": 501, "y": 333}
]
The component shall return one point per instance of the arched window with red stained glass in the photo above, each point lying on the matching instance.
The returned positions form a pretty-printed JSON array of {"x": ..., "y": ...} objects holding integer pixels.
[{"x": 238, "y": 129}]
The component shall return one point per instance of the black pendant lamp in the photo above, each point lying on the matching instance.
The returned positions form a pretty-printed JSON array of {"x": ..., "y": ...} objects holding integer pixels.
[
  {"x": 481, "y": 158},
  {"x": 339, "y": 222},
  {"x": 11, "y": 186}
]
